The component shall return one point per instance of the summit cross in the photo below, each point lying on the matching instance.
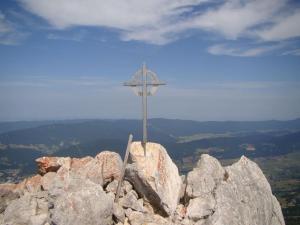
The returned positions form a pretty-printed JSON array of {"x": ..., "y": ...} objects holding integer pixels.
[{"x": 144, "y": 83}]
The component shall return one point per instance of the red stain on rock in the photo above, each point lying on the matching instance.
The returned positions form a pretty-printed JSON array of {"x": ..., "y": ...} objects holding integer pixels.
[
  {"x": 111, "y": 164},
  {"x": 78, "y": 163},
  {"x": 47, "y": 164}
]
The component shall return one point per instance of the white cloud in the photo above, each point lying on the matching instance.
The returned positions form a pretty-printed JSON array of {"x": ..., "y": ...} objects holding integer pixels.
[
  {"x": 163, "y": 21},
  {"x": 223, "y": 49},
  {"x": 9, "y": 35},
  {"x": 285, "y": 27},
  {"x": 234, "y": 18}
]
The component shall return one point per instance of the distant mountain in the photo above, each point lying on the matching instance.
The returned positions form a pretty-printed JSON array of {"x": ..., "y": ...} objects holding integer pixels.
[
  {"x": 78, "y": 138},
  {"x": 190, "y": 127}
]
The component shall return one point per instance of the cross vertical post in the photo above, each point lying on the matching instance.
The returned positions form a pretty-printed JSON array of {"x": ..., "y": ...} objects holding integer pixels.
[
  {"x": 144, "y": 83},
  {"x": 144, "y": 106}
]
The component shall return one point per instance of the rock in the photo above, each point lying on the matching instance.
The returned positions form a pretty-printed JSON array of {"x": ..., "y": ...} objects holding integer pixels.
[
  {"x": 111, "y": 163},
  {"x": 154, "y": 176},
  {"x": 104, "y": 168},
  {"x": 112, "y": 186},
  {"x": 200, "y": 208},
  {"x": 34, "y": 183},
  {"x": 180, "y": 211},
  {"x": 130, "y": 201},
  {"x": 127, "y": 186},
  {"x": 119, "y": 213},
  {"x": 7, "y": 194},
  {"x": 52, "y": 164},
  {"x": 31, "y": 209},
  {"x": 138, "y": 218},
  {"x": 83, "y": 203},
  {"x": 48, "y": 181},
  {"x": 78, "y": 163},
  {"x": 203, "y": 179},
  {"x": 244, "y": 196}
]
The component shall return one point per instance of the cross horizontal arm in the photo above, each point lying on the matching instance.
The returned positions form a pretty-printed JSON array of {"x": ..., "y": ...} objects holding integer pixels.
[{"x": 135, "y": 84}]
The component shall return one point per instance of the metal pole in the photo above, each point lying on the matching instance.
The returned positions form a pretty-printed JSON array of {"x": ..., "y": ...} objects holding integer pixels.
[
  {"x": 144, "y": 107},
  {"x": 124, "y": 167}
]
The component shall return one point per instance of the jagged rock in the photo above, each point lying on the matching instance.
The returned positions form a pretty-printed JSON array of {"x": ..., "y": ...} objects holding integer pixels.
[
  {"x": 127, "y": 186},
  {"x": 130, "y": 201},
  {"x": 202, "y": 180},
  {"x": 119, "y": 213},
  {"x": 138, "y": 218},
  {"x": 71, "y": 192},
  {"x": 7, "y": 194},
  {"x": 52, "y": 164},
  {"x": 34, "y": 183},
  {"x": 104, "y": 168},
  {"x": 111, "y": 163},
  {"x": 180, "y": 211},
  {"x": 112, "y": 186},
  {"x": 48, "y": 180},
  {"x": 79, "y": 163},
  {"x": 243, "y": 196},
  {"x": 83, "y": 203},
  {"x": 154, "y": 176},
  {"x": 200, "y": 208},
  {"x": 30, "y": 209}
]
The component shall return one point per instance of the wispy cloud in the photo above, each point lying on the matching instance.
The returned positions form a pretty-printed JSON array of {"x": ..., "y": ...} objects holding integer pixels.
[
  {"x": 76, "y": 36},
  {"x": 241, "y": 51},
  {"x": 292, "y": 52},
  {"x": 9, "y": 34},
  {"x": 163, "y": 21}
]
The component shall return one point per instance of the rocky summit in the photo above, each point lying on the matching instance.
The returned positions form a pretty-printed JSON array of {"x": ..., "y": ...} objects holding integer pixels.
[{"x": 73, "y": 191}]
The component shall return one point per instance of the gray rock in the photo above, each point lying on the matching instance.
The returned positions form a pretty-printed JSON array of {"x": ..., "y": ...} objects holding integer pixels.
[
  {"x": 203, "y": 179},
  {"x": 127, "y": 186},
  {"x": 154, "y": 176},
  {"x": 112, "y": 186},
  {"x": 130, "y": 201},
  {"x": 242, "y": 196},
  {"x": 119, "y": 213},
  {"x": 6, "y": 196},
  {"x": 30, "y": 209},
  {"x": 138, "y": 218},
  {"x": 84, "y": 203},
  {"x": 200, "y": 208}
]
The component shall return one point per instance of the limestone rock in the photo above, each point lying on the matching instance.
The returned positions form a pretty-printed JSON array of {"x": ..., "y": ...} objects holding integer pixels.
[
  {"x": 119, "y": 213},
  {"x": 31, "y": 209},
  {"x": 138, "y": 218},
  {"x": 84, "y": 203},
  {"x": 52, "y": 164},
  {"x": 34, "y": 183},
  {"x": 112, "y": 186},
  {"x": 154, "y": 176},
  {"x": 111, "y": 163},
  {"x": 200, "y": 208},
  {"x": 130, "y": 201},
  {"x": 203, "y": 179},
  {"x": 243, "y": 196},
  {"x": 7, "y": 194}
]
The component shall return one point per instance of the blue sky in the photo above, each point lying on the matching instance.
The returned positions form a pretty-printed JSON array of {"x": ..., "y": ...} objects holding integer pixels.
[{"x": 222, "y": 59}]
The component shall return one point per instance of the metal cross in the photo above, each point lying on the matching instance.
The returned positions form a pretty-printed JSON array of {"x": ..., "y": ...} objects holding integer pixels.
[{"x": 140, "y": 82}]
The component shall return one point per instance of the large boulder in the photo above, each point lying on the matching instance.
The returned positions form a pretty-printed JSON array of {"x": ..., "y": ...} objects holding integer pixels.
[
  {"x": 202, "y": 180},
  {"x": 30, "y": 209},
  {"x": 237, "y": 194},
  {"x": 83, "y": 203},
  {"x": 154, "y": 176}
]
